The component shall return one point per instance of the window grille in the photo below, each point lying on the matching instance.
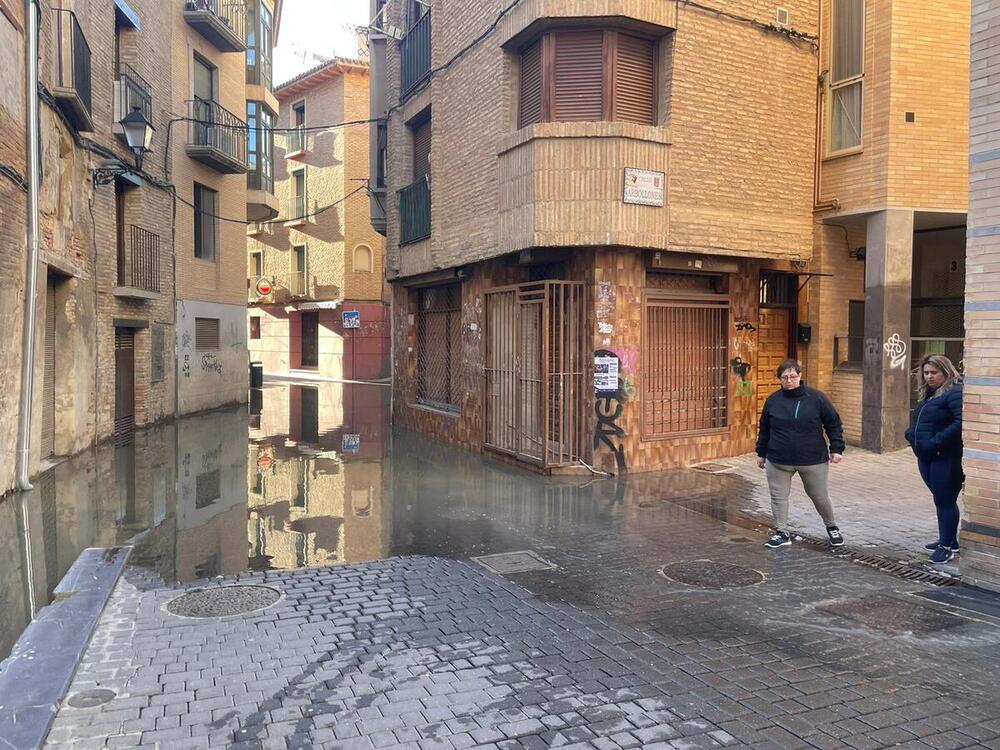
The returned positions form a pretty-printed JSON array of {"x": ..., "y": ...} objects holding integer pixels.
[{"x": 439, "y": 346}]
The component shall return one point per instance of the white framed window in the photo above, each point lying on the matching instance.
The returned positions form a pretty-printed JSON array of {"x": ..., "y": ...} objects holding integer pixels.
[{"x": 847, "y": 57}]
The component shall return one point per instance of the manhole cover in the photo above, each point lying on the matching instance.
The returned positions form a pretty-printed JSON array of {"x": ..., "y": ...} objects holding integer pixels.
[
  {"x": 223, "y": 601},
  {"x": 90, "y": 698},
  {"x": 506, "y": 563},
  {"x": 708, "y": 574},
  {"x": 892, "y": 615}
]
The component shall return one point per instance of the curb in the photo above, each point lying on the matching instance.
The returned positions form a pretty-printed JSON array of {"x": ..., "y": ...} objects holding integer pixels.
[{"x": 35, "y": 677}]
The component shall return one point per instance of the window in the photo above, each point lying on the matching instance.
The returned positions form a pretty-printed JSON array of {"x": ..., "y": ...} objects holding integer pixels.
[
  {"x": 849, "y": 351},
  {"x": 363, "y": 259},
  {"x": 299, "y": 269},
  {"x": 846, "y": 74},
  {"x": 297, "y": 138},
  {"x": 206, "y": 203},
  {"x": 260, "y": 147},
  {"x": 588, "y": 75},
  {"x": 298, "y": 195},
  {"x": 255, "y": 327},
  {"x": 298, "y": 114},
  {"x": 258, "y": 264},
  {"x": 421, "y": 150},
  {"x": 381, "y": 166},
  {"x": 685, "y": 355},
  {"x": 206, "y": 334},
  {"x": 439, "y": 346}
]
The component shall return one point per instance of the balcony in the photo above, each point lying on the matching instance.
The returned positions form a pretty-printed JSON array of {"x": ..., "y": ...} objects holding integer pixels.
[
  {"x": 415, "y": 211},
  {"x": 551, "y": 194},
  {"x": 216, "y": 137},
  {"x": 296, "y": 210},
  {"x": 297, "y": 143},
  {"x": 415, "y": 55},
  {"x": 262, "y": 205},
  {"x": 222, "y": 22},
  {"x": 297, "y": 285},
  {"x": 131, "y": 92},
  {"x": 139, "y": 265},
  {"x": 72, "y": 90}
]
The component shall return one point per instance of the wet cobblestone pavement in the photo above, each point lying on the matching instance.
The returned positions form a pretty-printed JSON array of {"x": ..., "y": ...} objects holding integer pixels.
[{"x": 429, "y": 650}]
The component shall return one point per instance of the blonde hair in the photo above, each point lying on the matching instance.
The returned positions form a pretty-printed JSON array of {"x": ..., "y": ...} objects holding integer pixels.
[{"x": 938, "y": 362}]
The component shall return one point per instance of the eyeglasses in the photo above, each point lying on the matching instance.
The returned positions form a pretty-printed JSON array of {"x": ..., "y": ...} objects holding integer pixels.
[{"x": 794, "y": 376}]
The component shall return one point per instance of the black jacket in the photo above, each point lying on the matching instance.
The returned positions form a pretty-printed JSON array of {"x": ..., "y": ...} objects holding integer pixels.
[
  {"x": 792, "y": 425},
  {"x": 936, "y": 426}
]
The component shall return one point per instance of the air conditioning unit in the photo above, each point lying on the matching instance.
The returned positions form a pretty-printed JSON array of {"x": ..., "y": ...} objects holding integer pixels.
[{"x": 781, "y": 17}]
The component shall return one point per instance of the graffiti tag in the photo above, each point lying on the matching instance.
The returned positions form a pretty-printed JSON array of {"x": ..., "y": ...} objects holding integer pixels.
[
  {"x": 741, "y": 369},
  {"x": 608, "y": 405},
  {"x": 745, "y": 325},
  {"x": 895, "y": 347},
  {"x": 186, "y": 367},
  {"x": 210, "y": 363}
]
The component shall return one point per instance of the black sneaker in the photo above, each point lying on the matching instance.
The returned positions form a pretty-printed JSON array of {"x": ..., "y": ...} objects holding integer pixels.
[
  {"x": 780, "y": 539},
  {"x": 836, "y": 538},
  {"x": 934, "y": 545},
  {"x": 942, "y": 554}
]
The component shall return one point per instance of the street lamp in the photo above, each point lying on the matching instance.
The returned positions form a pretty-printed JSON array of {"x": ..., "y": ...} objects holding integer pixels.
[{"x": 138, "y": 134}]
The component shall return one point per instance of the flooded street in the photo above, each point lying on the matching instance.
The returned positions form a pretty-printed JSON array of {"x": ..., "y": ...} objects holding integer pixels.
[{"x": 313, "y": 476}]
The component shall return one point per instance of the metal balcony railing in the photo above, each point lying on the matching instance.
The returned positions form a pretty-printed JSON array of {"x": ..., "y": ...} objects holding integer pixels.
[
  {"x": 259, "y": 74},
  {"x": 139, "y": 260},
  {"x": 415, "y": 55},
  {"x": 222, "y": 22},
  {"x": 132, "y": 91},
  {"x": 297, "y": 286},
  {"x": 296, "y": 141},
  {"x": 415, "y": 211},
  {"x": 73, "y": 82},
  {"x": 296, "y": 208},
  {"x": 216, "y": 136}
]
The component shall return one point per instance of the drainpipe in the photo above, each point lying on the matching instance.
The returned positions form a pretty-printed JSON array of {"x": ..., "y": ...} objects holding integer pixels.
[{"x": 31, "y": 13}]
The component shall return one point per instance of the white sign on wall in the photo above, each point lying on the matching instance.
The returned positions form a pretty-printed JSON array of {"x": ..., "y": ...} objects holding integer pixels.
[
  {"x": 644, "y": 187},
  {"x": 606, "y": 373}
]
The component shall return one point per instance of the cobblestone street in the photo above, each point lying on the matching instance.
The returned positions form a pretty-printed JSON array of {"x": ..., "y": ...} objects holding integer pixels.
[{"x": 429, "y": 649}]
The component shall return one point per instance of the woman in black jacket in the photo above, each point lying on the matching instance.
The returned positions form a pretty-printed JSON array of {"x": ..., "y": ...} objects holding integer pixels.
[
  {"x": 935, "y": 435},
  {"x": 790, "y": 440}
]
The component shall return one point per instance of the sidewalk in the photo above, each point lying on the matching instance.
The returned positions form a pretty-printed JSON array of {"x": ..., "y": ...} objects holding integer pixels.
[{"x": 880, "y": 501}]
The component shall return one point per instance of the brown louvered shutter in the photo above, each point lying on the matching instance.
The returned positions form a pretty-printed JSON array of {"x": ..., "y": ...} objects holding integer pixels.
[
  {"x": 635, "y": 80},
  {"x": 422, "y": 150},
  {"x": 530, "y": 94},
  {"x": 206, "y": 334},
  {"x": 579, "y": 76}
]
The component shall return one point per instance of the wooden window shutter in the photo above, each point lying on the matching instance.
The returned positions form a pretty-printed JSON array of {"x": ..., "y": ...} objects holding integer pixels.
[
  {"x": 422, "y": 150},
  {"x": 579, "y": 76},
  {"x": 530, "y": 93},
  {"x": 206, "y": 334},
  {"x": 635, "y": 80}
]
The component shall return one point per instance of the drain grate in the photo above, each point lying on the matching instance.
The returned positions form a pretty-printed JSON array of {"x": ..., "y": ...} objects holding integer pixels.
[
  {"x": 507, "y": 563},
  {"x": 708, "y": 574},
  {"x": 223, "y": 601},
  {"x": 90, "y": 698},
  {"x": 893, "y": 615},
  {"x": 903, "y": 570}
]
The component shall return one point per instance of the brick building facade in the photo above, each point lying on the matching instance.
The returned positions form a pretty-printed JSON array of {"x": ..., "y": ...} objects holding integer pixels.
[
  {"x": 118, "y": 289},
  {"x": 323, "y": 257},
  {"x": 981, "y": 418},
  {"x": 685, "y": 196}
]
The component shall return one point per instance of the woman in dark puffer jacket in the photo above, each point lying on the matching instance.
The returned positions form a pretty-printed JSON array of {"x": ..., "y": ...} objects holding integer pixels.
[{"x": 935, "y": 435}]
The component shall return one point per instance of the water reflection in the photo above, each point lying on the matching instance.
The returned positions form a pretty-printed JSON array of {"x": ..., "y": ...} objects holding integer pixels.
[{"x": 313, "y": 477}]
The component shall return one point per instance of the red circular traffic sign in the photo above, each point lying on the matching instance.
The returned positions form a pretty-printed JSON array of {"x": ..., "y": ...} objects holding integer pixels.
[
  {"x": 263, "y": 287},
  {"x": 264, "y": 463}
]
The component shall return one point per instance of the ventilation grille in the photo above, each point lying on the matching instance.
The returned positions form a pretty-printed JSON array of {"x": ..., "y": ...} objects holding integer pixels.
[{"x": 781, "y": 17}]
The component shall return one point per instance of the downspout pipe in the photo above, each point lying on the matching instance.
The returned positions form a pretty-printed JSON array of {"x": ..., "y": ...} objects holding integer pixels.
[{"x": 31, "y": 16}]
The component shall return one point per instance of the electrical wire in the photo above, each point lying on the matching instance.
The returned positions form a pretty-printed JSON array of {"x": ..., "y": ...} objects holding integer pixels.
[
  {"x": 14, "y": 176},
  {"x": 244, "y": 222},
  {"x": 262, "y": 128},
  {"x": 791, "y": 34}
]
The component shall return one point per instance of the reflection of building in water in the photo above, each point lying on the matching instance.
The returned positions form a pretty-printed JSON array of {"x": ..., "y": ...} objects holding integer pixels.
[
  {"x": 211, "y": 495},
  {"x": 315, "y": 476}
]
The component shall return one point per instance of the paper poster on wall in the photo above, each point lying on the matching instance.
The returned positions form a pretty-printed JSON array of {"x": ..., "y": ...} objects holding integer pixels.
[{"x": 606, "y": 373}]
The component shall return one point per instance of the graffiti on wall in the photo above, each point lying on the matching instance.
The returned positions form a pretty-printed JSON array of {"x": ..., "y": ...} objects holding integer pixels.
[
  {"x": 742, "y": 369},
  {"x": 743, "y": 351},
  {"x": 211, "y": 363},
  {"x": 745, "y": 325},
  {"x": 895, "y": 347},
  {"x": 608, "y": 406}
]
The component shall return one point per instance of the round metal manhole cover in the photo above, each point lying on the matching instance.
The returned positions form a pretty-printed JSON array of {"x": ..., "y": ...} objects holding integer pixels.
[
  {"x": 708, "y": 574},
  {"x": 223, "y": 601},
  {"x": 90, "y": 698}
]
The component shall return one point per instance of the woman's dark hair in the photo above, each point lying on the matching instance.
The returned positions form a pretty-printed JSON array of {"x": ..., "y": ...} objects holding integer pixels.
[{"x": 788, "y": 364}]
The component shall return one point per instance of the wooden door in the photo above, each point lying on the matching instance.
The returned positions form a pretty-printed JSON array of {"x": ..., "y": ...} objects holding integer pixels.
[
  {"x": 310, "y": 339},
  {"x": 124, "y": 385},
  {"x": 773, "y": 349}
]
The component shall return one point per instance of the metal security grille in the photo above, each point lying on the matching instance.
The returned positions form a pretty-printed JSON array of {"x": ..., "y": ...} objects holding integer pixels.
[
  {"x": 535, "y": 371},
  {"x": 778, "y": 289},
  {"x": 206, "y": 333},
  {"x": 124, "y": 386},
  {"x": 439, "y": 346},
  {"x": 685, "y": 387},
  {"x": 49, "y": 375}
]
